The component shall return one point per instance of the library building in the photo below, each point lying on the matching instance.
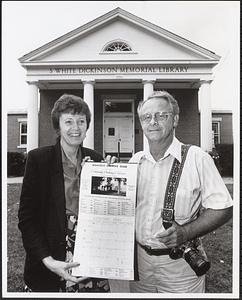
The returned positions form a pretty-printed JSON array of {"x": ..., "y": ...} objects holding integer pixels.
[{"x": 113, "y": 62}]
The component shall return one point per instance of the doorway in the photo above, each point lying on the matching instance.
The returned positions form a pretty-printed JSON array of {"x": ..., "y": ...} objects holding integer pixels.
[{"x": 118, "y": 135}]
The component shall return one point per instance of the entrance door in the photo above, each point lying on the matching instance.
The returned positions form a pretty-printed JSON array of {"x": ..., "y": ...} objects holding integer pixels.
[{"x": 118, "y": 136}]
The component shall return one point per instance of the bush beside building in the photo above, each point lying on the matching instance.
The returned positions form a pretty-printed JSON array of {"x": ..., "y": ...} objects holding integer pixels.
[
  {"x": 225, "y": 152},
  {"x": 16, "y": 163}
]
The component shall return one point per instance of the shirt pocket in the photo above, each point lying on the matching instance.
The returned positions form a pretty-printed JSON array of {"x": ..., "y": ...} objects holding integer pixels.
[{"x": 183, "y": 205}]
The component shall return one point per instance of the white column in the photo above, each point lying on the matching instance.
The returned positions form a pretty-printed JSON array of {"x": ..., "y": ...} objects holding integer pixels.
[
  {"x": 205, "y": 116},
  {"x": 88, "y": 97},
  {"x": 33, "y": 118},
  {"x": 148, "y": 90}
]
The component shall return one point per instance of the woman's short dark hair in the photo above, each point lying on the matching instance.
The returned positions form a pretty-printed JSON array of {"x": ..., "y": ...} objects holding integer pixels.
[{"x": 69, "y": 104}]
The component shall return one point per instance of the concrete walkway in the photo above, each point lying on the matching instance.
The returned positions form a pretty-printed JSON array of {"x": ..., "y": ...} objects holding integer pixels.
[
  {"x": 228, "y": 180},
  {"x": 10, "y": 180}
]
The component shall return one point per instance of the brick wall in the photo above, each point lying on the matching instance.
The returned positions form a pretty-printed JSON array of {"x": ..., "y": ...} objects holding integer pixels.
[
  {"x": 188, "y": 130},
  {"x": 13, "y": 132},
  {"x": 226, "y": 130},
  {"x": 98, "y": 122}
]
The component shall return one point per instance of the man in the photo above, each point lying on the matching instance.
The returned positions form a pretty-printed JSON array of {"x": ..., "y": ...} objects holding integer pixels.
[{"x": 200, "y": 186}]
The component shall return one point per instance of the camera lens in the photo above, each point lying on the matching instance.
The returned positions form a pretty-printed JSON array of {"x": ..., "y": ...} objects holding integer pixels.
[{"x": 196, "y": 262}]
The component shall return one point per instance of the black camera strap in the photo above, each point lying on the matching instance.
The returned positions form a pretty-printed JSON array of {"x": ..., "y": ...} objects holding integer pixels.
[{"x": 171, "y": 188}]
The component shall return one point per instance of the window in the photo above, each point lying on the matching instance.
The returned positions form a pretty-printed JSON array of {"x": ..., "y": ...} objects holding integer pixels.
[
  {"x": 216, "y": 132},
  {"x": 22, "y": 133},
  {"x": 114, "y": 106},
  {"x": 117, "y": 46},
  {"x": 111, "y": 131}
]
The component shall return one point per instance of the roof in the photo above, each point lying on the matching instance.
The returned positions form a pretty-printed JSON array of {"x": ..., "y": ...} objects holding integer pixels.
[{"x": 116, "y": 13}]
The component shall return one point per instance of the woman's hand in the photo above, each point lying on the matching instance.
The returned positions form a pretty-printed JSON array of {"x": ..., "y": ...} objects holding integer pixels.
[
  {"x": 61, "y": 268},
  {"x": 110, "y": 160},
  {"x": 86, "y": 158}
]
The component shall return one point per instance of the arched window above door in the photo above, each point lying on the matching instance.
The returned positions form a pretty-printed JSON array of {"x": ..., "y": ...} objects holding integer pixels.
[{"x": 117, "y": 46}]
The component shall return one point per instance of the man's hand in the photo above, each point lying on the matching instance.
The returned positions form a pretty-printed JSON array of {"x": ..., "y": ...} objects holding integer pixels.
[
  {"x": 173, "y": 236},
  {"x": 110, "y": 160},
  {"x": 208, "y": 220},
  {"x": 61, "y": 268}
]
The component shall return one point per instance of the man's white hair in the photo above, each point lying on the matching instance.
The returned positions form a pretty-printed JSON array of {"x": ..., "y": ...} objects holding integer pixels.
[{"x": 161, "y": 95}]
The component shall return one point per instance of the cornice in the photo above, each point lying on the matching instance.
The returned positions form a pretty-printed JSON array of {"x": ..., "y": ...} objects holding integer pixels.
[{"x": 30, "y": 64}]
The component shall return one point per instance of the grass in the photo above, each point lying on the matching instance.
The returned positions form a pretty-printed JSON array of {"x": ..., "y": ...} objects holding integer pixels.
[
  {"x": 16, "y": 253},
  {"x": 218, "y": 245}
]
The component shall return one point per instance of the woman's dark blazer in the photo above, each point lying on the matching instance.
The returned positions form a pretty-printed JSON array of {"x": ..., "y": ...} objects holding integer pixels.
[{"x": 42, "y": 214}]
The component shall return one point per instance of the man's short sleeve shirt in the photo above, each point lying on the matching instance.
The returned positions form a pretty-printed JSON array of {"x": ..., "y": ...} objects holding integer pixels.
[{"x": 200, "y": 185}]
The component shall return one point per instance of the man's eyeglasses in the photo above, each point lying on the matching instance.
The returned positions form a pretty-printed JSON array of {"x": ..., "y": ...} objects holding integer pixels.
[{"x": 158, "y": 116}]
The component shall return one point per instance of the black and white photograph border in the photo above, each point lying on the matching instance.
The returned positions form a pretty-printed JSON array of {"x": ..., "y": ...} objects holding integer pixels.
[{"x": 28, "y": 25}]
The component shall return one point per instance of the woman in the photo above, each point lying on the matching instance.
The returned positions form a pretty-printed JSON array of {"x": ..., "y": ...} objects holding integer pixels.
[{"x": 49, "y": 203}]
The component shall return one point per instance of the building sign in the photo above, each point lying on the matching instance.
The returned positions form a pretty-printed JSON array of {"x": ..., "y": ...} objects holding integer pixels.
[{"x": 121, "y": 69}]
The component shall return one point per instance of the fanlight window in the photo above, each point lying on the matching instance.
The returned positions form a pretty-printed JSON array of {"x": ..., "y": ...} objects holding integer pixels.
[{"x": 117, "y": 47}]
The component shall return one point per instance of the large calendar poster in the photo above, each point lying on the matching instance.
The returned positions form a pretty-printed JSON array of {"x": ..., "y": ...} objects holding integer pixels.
[{"x": 105, "y": 234}]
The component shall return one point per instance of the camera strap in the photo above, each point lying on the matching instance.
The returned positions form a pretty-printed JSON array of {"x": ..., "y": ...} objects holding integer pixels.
[{"x": 171, "y": 188}]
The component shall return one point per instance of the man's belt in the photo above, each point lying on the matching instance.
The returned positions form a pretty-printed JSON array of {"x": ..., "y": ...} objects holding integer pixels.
[{"x": 157, "y": 252}]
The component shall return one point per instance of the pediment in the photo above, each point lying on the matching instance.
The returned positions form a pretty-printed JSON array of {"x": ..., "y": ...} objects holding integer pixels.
[{"x": 147, "y": 41}]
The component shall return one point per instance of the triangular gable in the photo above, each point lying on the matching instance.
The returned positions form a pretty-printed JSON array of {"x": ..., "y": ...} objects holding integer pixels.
[{"x": 60, "y": 48}]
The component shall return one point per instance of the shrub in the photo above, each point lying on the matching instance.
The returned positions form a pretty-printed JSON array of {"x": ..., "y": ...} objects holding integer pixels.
[
  {"x": 16, "y": 163},
  {"x": 225, "y": 152}
]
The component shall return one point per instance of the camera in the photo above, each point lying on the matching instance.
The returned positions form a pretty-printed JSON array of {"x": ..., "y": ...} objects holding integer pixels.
[{"x": 193, "y": 256}]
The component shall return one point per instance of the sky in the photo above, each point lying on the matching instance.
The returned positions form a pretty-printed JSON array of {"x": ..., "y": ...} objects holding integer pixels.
[{"x": 27, "y": 25}]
